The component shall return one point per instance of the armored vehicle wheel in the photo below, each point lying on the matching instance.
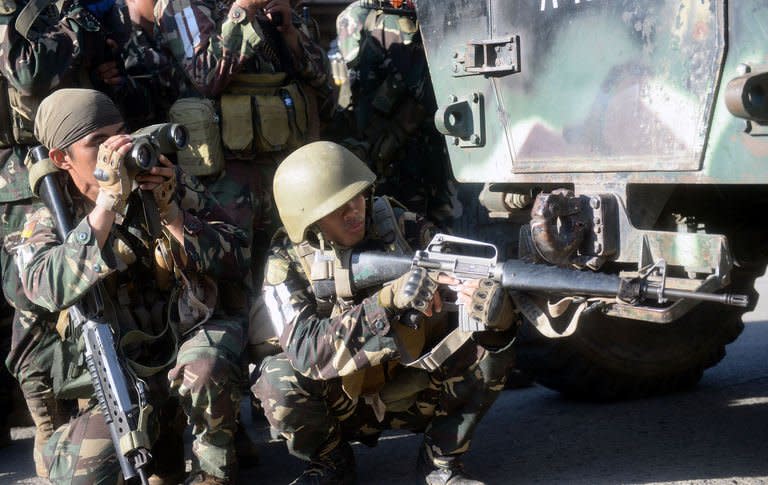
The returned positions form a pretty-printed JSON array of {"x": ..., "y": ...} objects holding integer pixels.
[{"x": 611, "y": 358}]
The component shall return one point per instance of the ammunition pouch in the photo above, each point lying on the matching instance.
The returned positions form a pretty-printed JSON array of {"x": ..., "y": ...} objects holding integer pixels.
[
  {"x": 261, "y": 113},
  {"x": 203, "y": 154},
  {"x": 71, "y": 379}
]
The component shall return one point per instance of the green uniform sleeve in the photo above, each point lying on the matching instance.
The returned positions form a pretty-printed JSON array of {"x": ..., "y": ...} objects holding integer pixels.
[
  {"x": 323, "y": 347},
  {"x": 55, "y": 275}
]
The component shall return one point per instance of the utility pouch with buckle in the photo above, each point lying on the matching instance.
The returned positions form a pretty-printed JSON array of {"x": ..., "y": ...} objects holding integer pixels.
[
  {"x": 261, "y": 113},
  {"x": 203, "y": 154}
]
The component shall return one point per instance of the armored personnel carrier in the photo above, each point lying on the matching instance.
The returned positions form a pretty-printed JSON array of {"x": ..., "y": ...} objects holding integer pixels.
[{"x": 619, "y": 136}]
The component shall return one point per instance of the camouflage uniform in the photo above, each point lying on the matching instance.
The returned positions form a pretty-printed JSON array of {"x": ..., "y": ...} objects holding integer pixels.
[
  {"x": 206, "y": 370},
  {"x": 391, "y": 108},
  {"x": 60, "y": 49},
  {"x": 341, "y": 376},
  {"x": 15, "y": 203},
  {"x": 214, "y": 44}
]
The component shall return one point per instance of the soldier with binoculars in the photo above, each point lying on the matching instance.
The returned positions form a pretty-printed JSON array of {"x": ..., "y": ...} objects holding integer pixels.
[{"x": 158, "y": 292}]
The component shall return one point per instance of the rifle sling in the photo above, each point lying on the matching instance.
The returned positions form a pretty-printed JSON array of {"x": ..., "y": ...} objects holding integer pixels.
[
  {"x": 433, "y": 359},
  {"x": 29, "y": 14}
]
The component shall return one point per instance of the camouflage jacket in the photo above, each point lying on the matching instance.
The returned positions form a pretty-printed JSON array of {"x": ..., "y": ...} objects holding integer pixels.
[
  {"x": 213, "y": 41},
  {"x": 14, "y": 178},
  {"x": 54, "y": 274},
  {"x": 336, "y": 338},
  {"x": 386, "y": 61},
  {"x": 154, "y": 81},
  {"x": 64, "y": 48}
]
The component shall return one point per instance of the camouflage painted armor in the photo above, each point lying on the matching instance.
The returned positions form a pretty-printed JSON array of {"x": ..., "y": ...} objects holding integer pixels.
[
  {"x": 218, "y": 49},
  {"x": 390, "y": 110},
  {"x": 341, "y": 377},
  {"x": 144, "y": 295}
]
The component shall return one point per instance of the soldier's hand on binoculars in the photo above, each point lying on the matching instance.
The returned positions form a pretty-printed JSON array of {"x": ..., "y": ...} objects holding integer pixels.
[
  {"x": 280, "y": 10},
  {"x": 162, "y": 181},
  {"x": 109, "y": 73},
  {"x": 114, "y": 180}
]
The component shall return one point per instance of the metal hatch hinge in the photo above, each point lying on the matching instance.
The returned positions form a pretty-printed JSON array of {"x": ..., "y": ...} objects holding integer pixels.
[{"x": 490, "y": 57}]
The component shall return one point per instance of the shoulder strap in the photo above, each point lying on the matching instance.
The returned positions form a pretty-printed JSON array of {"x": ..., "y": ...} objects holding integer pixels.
[
  {"x": 387, "y": 226},
  {"x": 29, "y": 14}
]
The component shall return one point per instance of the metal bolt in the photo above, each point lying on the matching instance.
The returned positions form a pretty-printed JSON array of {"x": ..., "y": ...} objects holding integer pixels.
[
  {"x": 455, "y": 55},
  {"x": 455, "y": 68},
  {"x": 598, "y": 248},
  {"x": 456, "y": 140},
  {"x": 476, "y": 139},
  {"x": 475, "y": 97},
  {"x": 452, "y": 98},
  {"x": 594, "y": 203},
  {"x": 742, "y": 69},
  {"x": 596, "y": 221},
  {"x": 598, "y": 230}
]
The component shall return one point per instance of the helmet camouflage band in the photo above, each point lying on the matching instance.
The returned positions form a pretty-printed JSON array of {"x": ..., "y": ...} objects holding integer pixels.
[{"x": 314, "y": 181}]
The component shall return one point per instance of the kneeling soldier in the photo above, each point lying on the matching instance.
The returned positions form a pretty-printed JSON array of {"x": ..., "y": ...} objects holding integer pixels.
[
  {"x": 158, "y": 291},
  {"x": 350, "y": 367}
]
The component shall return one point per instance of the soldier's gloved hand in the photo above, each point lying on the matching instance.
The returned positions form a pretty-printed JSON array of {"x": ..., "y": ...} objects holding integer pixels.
[
  {"x": 112, "y": 175},
  {"x": 162, "y": 181},
  {"x": 413, "y": 290},
  {"x": 490, "y": 305}
]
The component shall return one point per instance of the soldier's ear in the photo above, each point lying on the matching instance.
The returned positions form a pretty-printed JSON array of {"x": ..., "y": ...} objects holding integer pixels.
[{"x": 59, "y": 158}]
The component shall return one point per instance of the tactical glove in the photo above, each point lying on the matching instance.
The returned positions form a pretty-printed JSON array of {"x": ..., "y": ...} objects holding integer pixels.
[
  {"x": 413, "y": 290},
  {"x": 114, "y": 181},
  {"x": 491, "y": 306},
  {"x": 165, "y": 196}
]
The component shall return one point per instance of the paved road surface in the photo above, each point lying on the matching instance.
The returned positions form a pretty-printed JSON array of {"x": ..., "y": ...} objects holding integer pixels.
[{"x": 717, "y": 434}]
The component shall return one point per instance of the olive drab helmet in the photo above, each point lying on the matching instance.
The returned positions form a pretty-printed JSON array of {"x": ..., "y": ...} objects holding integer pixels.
[{"x": 314, "y": 181}]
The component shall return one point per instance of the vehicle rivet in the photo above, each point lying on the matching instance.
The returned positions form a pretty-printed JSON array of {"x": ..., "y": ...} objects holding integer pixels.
[
  {"x": 594, "y": 203},
  {"x": 476, "y": 139},
  {"x": 456, "y": 140},
  {"x": 742, "y": 69}
]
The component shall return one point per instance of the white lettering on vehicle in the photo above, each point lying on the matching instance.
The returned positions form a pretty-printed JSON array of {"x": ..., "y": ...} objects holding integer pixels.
[{"x": 545, "y": 3}]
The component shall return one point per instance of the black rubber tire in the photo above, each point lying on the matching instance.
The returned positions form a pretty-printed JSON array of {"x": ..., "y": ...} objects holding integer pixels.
[{"x": 613, "y": 358}]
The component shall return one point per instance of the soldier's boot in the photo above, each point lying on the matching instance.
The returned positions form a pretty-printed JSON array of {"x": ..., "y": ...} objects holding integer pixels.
[
  {"x": 47, "y": 416},
  {"x": 443, "y": 470},
  {"x": 337, "y": 467}
]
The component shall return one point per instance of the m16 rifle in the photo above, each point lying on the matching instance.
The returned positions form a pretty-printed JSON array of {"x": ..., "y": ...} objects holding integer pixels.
[
  {"x": 121, "y": 394},
  {"x": 466, "y": 259}
]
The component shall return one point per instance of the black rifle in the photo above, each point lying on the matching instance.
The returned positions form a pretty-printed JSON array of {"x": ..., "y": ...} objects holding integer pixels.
[
  {"x": 111, "y": 379},
  {"x": 448, "y": 254}
]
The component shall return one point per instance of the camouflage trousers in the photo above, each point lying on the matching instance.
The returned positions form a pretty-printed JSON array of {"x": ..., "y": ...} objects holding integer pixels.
[
  {"x": 206, "y": 379},
  {"x": 315, "y": 415}
]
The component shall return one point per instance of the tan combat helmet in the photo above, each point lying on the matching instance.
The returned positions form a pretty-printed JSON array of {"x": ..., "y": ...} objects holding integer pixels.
[{"x": 314, "y": 181}]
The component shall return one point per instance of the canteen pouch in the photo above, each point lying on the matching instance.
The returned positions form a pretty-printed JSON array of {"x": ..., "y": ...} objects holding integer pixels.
[{"x": 203, "y": 154}]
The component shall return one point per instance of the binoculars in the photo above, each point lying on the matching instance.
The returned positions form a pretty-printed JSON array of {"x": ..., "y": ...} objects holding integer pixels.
[{"x": 152, "y": 140}]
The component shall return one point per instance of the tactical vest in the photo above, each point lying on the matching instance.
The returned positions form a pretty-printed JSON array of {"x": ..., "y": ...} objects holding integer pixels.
[
  {"x": 258, "y": 114},
  {"x": 328, "y": 266}
]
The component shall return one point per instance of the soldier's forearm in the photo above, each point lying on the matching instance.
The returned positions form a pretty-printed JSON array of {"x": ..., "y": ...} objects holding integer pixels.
[{"x": 101, "y": 221}]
